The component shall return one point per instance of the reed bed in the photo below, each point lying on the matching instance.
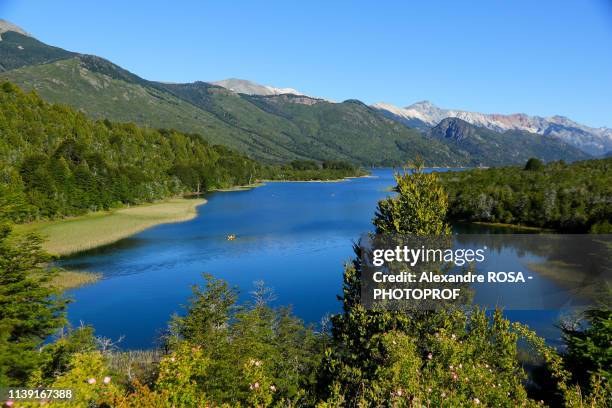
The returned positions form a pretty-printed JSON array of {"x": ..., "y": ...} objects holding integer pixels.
[
  {"x": 72, "y": 235},
  {"x": 74, "y": 279}
]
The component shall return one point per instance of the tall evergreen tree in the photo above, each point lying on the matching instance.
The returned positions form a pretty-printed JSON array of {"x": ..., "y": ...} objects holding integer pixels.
[
  {"x": 30, "y": 311},
  {"x": 412, "y": 357}
]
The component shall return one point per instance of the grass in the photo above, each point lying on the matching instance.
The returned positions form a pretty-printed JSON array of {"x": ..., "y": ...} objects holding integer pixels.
[
  {"x": 514, "y": 226},
  {"x": 73, "y": 279},
  {"x": 72, "y": 235},
  {"x": 336, "y": 180},
  {"x": 240, "y": 188}
]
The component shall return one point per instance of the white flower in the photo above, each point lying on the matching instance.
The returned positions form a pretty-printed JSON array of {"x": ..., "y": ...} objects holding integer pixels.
[
  {"x": 273, "y": 388},
  {"x": 429, "y": 356},
  {"x": 107, "y": 380},
  {"x": 91, "y": 381},
  {"x": 476, "y": 401}
]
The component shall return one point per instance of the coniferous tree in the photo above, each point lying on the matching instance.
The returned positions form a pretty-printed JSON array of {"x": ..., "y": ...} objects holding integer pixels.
[
  {"x": 412, "y": 357},
  {"x": 30, "y": 311}
]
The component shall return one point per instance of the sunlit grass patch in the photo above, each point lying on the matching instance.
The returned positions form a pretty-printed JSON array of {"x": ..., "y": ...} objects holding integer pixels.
[
  {"x": 68, "y": 236},
  {"x": 73, "y": 279}
]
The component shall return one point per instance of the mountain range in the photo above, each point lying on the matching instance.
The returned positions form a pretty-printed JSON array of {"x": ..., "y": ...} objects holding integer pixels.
[
  {"x": 279, "y": 124},
  {"x": 251, "y": 88},
  {"x": 424, "y": 115}
]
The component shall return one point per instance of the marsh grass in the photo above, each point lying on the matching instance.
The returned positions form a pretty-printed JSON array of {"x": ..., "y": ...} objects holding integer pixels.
[
  {"x": 240, "y": 188},
  {"x": 74, "y": 279},
  {"x": 72, "y": 235}
]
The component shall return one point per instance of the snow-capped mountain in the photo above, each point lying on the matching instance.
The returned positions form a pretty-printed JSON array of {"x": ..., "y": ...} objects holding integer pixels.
[
  {"x": 251, "y": 88},
  {"x": 595, "y": 141}
]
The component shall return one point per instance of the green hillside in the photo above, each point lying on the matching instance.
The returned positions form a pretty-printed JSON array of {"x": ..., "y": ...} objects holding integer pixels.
[
  {"x": 102, "y": 96},
  {"x": 276, "y": 129},
  {"x": 54, "y": 161},
  {"x": 355, "y": 130},
  {"x": 18, "y": 50}
]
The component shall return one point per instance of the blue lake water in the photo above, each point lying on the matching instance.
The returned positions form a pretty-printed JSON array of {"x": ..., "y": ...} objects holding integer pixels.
[{"x": 293, "y": 236}]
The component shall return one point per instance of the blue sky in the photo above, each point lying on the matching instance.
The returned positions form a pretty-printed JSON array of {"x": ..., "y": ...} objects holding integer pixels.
[{"x": 540, "y": 57}]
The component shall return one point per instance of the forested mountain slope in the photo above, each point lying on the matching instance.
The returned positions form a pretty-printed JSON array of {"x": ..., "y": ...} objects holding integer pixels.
[
  {"x": 55, "y": 161},
  {"x": 102, "y": 89},
  {"x": 276, "y": 128}
]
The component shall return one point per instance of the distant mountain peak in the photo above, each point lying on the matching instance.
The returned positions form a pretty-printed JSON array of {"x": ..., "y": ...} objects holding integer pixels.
[
  {"x": 252, "y": 88},
  {"x": 8, "y": 26},
  {"x": 424, "y": 114},
  {"x": 422, "y": 104},
  {"x": 453, "y": 128}
]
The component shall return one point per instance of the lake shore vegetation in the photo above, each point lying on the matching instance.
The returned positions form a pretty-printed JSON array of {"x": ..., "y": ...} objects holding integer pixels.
[
  {"x": 75, "y": 234},
  {"x": 56, "y": 162},
  {"x": 564, "y": 197},
  {"x": 219, "y": 352}
]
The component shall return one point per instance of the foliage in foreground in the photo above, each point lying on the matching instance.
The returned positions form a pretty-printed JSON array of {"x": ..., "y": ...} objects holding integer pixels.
[{"x": 30, "y": 310}]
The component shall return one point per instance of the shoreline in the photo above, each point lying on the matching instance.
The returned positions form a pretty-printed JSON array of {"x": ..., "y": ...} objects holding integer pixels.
[
  {"x": 318, "y": 181},
  {"x": 69, "y": 236},
  {"x": 244, "y": 187},
  {"x": 513, "y": 226}
]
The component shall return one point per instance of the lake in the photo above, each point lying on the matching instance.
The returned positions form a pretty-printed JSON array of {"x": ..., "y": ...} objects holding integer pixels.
[{"x": 294, "y": 236}]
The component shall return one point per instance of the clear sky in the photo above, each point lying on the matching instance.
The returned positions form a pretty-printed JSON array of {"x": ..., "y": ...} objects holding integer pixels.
[{"x": 541, "y": 57}]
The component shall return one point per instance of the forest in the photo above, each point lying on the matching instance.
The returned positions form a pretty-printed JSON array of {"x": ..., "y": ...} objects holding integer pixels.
[
  {"x": 56, "y": 162},
  {"x": 564, "y": 197},
  {"x": 224, "y": 354}
]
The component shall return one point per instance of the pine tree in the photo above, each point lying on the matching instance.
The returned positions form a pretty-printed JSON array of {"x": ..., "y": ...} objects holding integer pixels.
[
  {"x": 419, "y": 208},
  {"x": 30, "y": 311},
  {"x": 412, "y": 357}
]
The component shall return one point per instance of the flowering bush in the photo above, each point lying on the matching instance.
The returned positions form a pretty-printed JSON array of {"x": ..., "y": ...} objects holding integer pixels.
[
  {"x": 261, "y": 389},
  {"x": 180, "y": 376},
  {"x": 90, "y": 380}
]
